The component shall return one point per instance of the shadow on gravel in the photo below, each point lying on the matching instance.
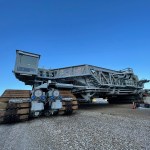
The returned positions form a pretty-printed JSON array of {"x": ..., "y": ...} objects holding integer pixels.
[
  {"x": 93, "y": 106},
  {"x": 104, "y": 106}
]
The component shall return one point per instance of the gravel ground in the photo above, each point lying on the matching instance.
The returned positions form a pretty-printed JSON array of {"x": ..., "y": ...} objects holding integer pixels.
[{"x": 100, "y": 127}]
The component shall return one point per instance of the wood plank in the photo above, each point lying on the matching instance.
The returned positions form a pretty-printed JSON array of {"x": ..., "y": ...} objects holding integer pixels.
[
  {"x": 73, "y": 107},
  {"x": 74, "y": 102},
  {"x": 24, "y": 105},
  {"x": 23, "y": 111},
  {"x": 66, "y": 103},
  {"x": 16, "y": 93},
  {"x": 16, "y": 96},
  {"x": 23, "y": 117},
  {"x": 3, "y": 99},
  {"x": 3, "y": 105}
]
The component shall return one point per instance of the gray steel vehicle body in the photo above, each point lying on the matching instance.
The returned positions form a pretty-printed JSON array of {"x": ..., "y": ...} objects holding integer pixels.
[{"x": 85, "y": 81}]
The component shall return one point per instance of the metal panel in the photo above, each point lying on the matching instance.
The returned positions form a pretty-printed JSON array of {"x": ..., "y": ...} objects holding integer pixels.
[
  {"x": 56, "y": 105},
  {"x": 72, "y": 71},
  {"x": 26, "y": 63}
]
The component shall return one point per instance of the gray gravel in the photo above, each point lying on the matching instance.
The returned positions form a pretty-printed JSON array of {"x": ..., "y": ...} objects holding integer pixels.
[{"x": 99, "y": 128}]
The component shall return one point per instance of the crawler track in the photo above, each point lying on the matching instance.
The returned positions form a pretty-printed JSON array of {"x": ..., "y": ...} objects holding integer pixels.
[
  {"x": 14, "y": 111},
  {"x": 15, "y": 105},
  {"x": 68, "y": 106}
]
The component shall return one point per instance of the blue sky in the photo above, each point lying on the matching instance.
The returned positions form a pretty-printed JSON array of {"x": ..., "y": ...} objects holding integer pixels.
[{"x": 112, "y": 34}]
